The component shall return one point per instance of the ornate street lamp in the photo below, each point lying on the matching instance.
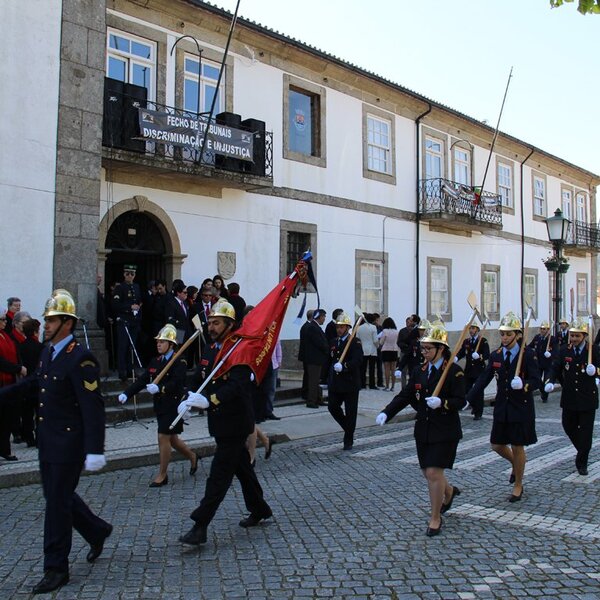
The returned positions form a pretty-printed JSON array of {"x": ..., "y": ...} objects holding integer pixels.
[{"x": 558, "y": 229}]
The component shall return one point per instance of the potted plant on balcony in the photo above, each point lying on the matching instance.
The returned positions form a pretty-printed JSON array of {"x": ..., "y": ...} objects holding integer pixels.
[{"x": 555, "y": 263}]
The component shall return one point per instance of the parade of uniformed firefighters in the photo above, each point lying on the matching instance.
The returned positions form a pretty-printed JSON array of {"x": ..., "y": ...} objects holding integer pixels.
[{"x": 51, "y": 393}]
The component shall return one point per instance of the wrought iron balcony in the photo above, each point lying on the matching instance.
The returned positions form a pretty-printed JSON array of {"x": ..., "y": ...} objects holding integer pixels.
[
  {"x": 459, "y": 206},
  {"x": 583, "y": 236},
  {"x": 124, "y": 144}
]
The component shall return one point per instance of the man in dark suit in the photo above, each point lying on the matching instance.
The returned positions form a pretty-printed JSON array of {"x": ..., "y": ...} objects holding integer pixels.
[
  {"x": 344, "y": 379},
  {"x": 316, "y": 354},
  {"x": 70, "y": 435},
  {"x": 127, "y": 304},
  {"x": 238, "y": 303},
  {"x": 177, "y": 312},
  {"x": 302, "y": 354},
  {"x": 228, "y": 401},
  {"x": 579, "y": 396}
]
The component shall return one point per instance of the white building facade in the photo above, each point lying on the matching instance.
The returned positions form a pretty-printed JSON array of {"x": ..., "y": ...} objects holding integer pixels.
[{"x": 380, "y": 183}]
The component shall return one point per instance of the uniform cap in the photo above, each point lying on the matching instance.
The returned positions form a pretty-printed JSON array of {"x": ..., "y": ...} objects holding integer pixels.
[
  {"x": 130, "y": 268},
  {"x": 343, "y": 319},
  {"x": 168, "y": 334},
  {"x": 436, "y": 334},
  {"x": 61, "y": 303},
  {"x": 510, "y": 322},
  {"x": 223, "y": 309},
  {"x": 579, "y": 325}
]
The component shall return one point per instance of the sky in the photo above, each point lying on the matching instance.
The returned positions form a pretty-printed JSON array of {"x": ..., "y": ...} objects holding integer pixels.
[{"x": 460, "y": 52}]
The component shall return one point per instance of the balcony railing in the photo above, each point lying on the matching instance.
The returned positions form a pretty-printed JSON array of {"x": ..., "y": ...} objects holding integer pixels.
[
  {"x": 583, "y": 235},
  {"x": 448, "y": 200},
  {"x": 121, "y": 131}
]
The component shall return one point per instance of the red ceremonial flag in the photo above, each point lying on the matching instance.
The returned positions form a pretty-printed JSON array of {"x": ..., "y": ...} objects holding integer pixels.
[{"x": 260, "y": 329}]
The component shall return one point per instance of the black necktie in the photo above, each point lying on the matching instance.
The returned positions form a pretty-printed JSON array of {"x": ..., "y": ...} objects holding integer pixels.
[
  {"x": 507, "y": 361},
  {"x": 577, "y": 352},
  {"x": 432, "y": 373}
]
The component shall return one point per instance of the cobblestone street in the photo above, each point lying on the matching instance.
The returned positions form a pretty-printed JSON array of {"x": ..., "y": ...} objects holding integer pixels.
[{"x": 346, "y": 525}]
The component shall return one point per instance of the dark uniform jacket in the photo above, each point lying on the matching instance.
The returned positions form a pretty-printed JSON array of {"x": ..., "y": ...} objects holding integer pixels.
[
  {"x": 230, "y": 410},
  {"x": 474, "y": 368},
  {"x": 171, "y": 386},
  {"x": 433, "y": 425},
  {"x": 314, "y": 344},
  {"x": 539, "y": 344},
  {"x": 563, "y": 337},
  {"x": 348, "y": 380},
  {"x": 579, "y": 390},
  {"x": 124, "y": 297},
  {"x": 511, "y": 406},
  {"x": 71, "y": 409}
]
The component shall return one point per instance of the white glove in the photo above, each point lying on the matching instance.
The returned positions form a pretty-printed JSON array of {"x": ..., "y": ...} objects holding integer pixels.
[
  {"x": 475, "y": 356},
  {"x": 516, "y": 383},
  {"x": 547, "y": 354},
  {"x": 456, "y": 359},
  {"x": 467, "y": 406},
  {"x": 196, "y": 400},
  {"x": 184, "y": 410},
  {"x": 94, "y": 462},
  {"x": 152, "y": 388},
  {"x": 591, "y": 370},
  {"x": 381, "y": 418},
  {"x": 397, "y": 373},
  {"x": 122, "y": 398},
  {"x": 433, "y": 402},
  {"x": 338, "y": 367},
  {"x": 548, "y": 388}
]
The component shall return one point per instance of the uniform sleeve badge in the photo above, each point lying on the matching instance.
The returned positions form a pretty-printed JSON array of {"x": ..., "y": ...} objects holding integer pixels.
[{"x": 90, "y": 386}]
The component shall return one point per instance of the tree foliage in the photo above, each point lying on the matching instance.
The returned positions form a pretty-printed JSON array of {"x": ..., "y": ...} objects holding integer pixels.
[{"x": 584, "y": 6}]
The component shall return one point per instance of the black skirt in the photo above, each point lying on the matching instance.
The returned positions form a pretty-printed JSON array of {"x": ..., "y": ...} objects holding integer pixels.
[
  {"x": 164, "y": 420},
  {"x": 515, "y": 434},
  {"x": 389, "y": 356},
  {"x": 440, "y": 455}
]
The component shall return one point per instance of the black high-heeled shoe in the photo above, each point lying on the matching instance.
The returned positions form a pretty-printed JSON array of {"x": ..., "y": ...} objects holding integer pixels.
[
  {"x": 155, "y": 484},
  {"x": 511, "y": 479},
  {"x": 195, "y": 467},
  {"x": 447, "y": 507},
  {"x": 514, "y": 498},
  {"x": 269, "y": 450},
  {"x": 433, "y": 531}
]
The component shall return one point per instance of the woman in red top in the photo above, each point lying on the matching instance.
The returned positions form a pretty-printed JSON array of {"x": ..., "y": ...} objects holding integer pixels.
[{"x": 9, "y": 369}]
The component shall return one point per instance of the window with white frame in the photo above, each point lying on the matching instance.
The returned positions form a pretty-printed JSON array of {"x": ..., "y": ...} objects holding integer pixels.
[
  {"x": 490, "y": 283},
  {"x": 582, "y": 294},
  {"x": 371, "y": 286},
  {"x": 204, "y": 83},
  {"x": 434, "y": 158},
  {"x": 567, "y": 204},
  {"x": 439, "y": 303},
  {"x": 379, "y": 144},
  {"x": 462, "y": 166},
  {"x": 505, "y": 184},
  {"x": 580, "y": 207},
  {"x": 530, "y": 289},
  {"x": 131, "y": 59},
  {"x": 539, "y": 196}
]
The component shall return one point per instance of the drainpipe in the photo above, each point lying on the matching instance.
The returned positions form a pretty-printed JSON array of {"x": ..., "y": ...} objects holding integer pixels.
[
  {"x": 532, "y": 150},
  {"x": 418, "y": 220}
]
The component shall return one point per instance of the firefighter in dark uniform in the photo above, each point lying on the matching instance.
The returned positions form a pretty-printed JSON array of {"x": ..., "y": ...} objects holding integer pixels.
[
  {"x": 514, "y": 409},
  {"x": 228, "y": 401},
  {"x": 437, "y": 425},
  {"x": 544, "y": 344},
  {"x": 412, "y": 357},
  {"x": 166, "y": 397},
  {"x": 476, "y": 352},
  {"x": 563, "y": 332},
  {"x": 344, "y": 379},
  {"x": 127, "y": 304},
  {"x": 579, "y": 396},
  {"x": 70, "y": 436}
]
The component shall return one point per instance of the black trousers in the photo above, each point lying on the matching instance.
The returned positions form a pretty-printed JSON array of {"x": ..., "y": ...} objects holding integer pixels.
[
  {"x": 313, "y": 378},
  {"x": 579, "y": 426},
  {"x": 477, "y": 400},
  {"x": 371, "y": 361},
  {"x": 65, "y": 510},
  {"x": 231, "y": 458},
  {"x": 347, "y": 420}
]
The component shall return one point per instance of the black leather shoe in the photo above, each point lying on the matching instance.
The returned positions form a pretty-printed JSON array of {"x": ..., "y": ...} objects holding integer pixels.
[
  {"x": 96, "y": 549},
  {"x": 348, "y": 445},
  {"x": 511, "y": 479},
  {"x": 514, "y": 498},
  {"x": 253, "y": 520},
  {"x": 10, "y": 457},
  {"x": 51, "y": 581},
  {"x": 195, "y": 536},
  {"x": 195, "y": 467},
  {"x": 272, "y": 417},
  {"x": 582, "y": 470},
  {"x": 160, "y": 483},
  {"x": 447, "y": 507},
  {"x": 433, "y": 531}
]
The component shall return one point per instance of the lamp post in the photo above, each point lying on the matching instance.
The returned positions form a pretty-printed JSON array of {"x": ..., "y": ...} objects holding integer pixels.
[{"x": 558, "y": 228}]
